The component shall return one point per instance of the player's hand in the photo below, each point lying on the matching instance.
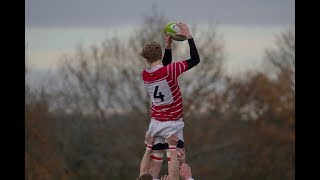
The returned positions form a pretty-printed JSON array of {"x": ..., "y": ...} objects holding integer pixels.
[
  {"x": 165, "y": 177},
  {"x": 148, "y": 139},
  {"x": 184, "y": 30},
  {"x": 185, "y": 172},
  {"x": 173, "y": 140},
  {"x": 181, "y": 156},
  {"x": 168, "y": 41}
]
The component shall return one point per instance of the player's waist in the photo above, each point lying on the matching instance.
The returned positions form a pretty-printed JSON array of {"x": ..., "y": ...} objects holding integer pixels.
[
  {"x": 166, "y": 119},
  {"x": 166, "y": 116},
  {"x": 162, "y": 120}
]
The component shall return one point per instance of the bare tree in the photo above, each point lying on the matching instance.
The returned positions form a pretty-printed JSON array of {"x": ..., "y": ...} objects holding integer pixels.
[{"x": 282, "y": 58}]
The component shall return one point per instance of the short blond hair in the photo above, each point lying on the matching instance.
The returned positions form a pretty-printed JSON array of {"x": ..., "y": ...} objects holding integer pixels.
[{"x": 152, "y": 51}]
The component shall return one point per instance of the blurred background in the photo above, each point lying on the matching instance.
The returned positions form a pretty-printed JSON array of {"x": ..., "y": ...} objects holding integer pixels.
[{"x": 87, "y": 110}]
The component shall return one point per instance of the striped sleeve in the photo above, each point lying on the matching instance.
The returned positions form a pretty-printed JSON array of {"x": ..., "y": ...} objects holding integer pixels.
[{"x": 177, "y": 68}]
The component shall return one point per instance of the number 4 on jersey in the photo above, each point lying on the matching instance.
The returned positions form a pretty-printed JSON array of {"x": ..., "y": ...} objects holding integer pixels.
[{"x": 158, "y": 96}]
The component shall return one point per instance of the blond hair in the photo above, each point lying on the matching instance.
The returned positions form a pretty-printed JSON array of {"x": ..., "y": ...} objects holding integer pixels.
[{"x": 152, "y": 51}]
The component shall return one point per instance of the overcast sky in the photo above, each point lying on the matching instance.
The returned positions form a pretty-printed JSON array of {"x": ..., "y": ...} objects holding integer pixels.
[
  {"x": 55, "y": 27},
  {"x": 102, "y": 13}
]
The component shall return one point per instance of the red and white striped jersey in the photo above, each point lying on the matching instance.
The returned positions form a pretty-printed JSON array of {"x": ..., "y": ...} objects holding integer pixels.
[{"x": 162, "y": 85}]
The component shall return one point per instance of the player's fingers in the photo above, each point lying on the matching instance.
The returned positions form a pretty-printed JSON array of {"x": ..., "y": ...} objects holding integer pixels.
[
  {"x": 180, "y": 171},
  {"x": 176, "y": 137},
  {"x": 180, "y": 25},
  {"x": 179, "y": 153},
  {"x": 164, "y": 177},
  {"x": 148, "y": 134}
]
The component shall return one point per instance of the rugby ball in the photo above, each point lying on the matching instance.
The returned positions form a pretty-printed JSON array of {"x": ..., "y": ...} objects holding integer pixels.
[{"x": 172, "y": 29}]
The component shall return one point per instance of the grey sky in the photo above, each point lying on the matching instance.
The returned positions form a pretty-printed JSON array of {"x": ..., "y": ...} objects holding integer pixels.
[{"x": 101, "y": 13}]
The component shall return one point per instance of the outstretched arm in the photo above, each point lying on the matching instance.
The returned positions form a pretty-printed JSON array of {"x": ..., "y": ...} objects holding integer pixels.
[
  {"x": 145, "y": 162},
  {"x": 167, "y": 57},
  {"x": 194, "y": 59}
]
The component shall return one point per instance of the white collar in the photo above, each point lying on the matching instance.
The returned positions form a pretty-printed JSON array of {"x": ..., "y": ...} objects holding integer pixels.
[{"x": 150, "y": 70}]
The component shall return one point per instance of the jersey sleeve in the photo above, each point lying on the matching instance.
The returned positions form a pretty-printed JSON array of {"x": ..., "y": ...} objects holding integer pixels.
[{"x": 177, "y": 68}]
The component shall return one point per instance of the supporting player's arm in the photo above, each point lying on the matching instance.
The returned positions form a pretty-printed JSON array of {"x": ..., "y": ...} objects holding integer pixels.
[
  {"x": 167, "y": 57},
  {"x": 173, "y": 167},
  {"x": 145, "y": 162}
]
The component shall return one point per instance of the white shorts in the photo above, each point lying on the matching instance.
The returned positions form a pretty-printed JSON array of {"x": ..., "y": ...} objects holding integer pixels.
[{"x": 164, "y": 129}]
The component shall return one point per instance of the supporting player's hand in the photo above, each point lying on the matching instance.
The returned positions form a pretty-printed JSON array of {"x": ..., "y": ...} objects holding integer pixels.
[
  {"x": 173, "y": 140},
  {"x": 185, "y": 172},
  {"x": 168, "y": 41},
  {"x": 148, "y": 139},
  {"x": 165, "y": 177},
  {"x": 181, "y": 156},
  {"x": 184, "y": 30}
]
